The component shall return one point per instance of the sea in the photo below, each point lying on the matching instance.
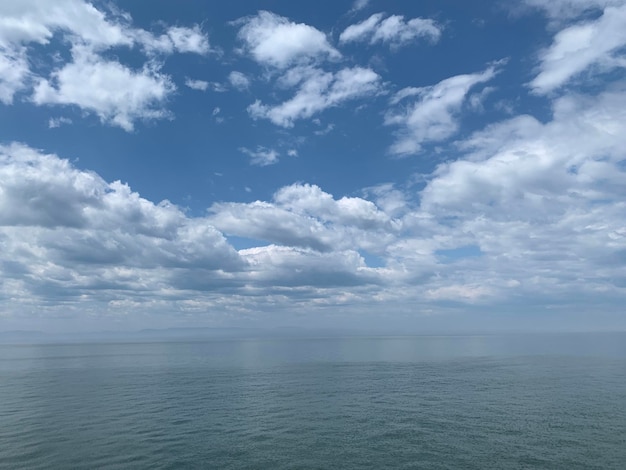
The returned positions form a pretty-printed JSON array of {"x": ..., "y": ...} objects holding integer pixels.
[{"x": 505, "y": 401}]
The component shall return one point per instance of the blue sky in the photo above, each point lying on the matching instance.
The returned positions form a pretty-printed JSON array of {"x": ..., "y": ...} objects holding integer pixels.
[{"x": 415, "y": 166}]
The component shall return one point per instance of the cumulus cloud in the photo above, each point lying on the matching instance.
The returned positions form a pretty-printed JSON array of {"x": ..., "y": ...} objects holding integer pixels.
[
  {"x": 72, "y": 232},
  {"x": 70, "y": 238},
  {"x": 433, "y": 116},
  {"x": 525, "y": 165},
  {"x": 115, "y": 93},
  {"x": 275, "y": 41},
  {"x": 37, "y": 21},
  {"x": 540, "y": 206},
  {"x": 336, "y": 270},
  {"x": 305, "y": 216},
  {"x": 528, "y": 211},
  {"x": 543, "y": 201},
  {"x": 582, "y": 47},
  {"x": 393, "y": 30},
  {"x": 318, "y": 90}
]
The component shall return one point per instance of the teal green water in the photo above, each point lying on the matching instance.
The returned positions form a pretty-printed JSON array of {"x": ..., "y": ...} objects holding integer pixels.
[{"x": 501, "y": 402}]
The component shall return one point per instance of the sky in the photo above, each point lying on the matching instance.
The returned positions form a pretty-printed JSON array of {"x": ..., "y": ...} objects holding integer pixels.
[{"x": 388, "y": 165}]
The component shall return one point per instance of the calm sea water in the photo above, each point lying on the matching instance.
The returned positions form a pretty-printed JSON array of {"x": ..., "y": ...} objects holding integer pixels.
[{"x": 502, "y": 402}]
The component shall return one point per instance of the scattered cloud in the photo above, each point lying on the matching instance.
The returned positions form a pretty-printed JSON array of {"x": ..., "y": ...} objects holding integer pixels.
[
  {"x": 68, "y": 236},
  {"x": 559, "y": 11},
  {"x": 273, "y": 40},
  {"x": 359, "y": 5},
  {"x": 75, "y": 223},
  {"x": 327, "y": 130},
  {"x": 262, "y": 156},
  {"x": 14, "y": 72},
  {"x": 581, "y": 47},
  {"x": 433, "y": 116},
  {"x": 318, "y": 90},
  {"x": 218, "y": 87},
  {"x": 118, "y": 94},
  {"x": 304, "y": 216},
  {"x": 216, "y": 115},
  {"x": 541, "y": 200},
  {"x": 199, "y": 85},
  {"x": 238, "y": 80},
  {"x": 115, "y": 93},
  {"x": 35, "y": 21},
  {"x": 393, "y": 31},
  {"x": 58, "y": 122},
  {"x": 191, "y": 40},
  {"x": 529, "y": 208}
]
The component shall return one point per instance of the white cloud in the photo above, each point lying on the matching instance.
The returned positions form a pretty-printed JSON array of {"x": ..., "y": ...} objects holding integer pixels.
[
  {"x": 275, "y": 41},
  {"x": 539, "y": 204},
  {"x": 363, "y": 30},
  {"x": 115, "y": 93},
  {"x": 261, "y": 156},
  {"x": 327, "y": 130},
  {"x": 14, "y": 72},
  {"x": 393, "y": 31},
  {"x": 71, "y": 230},
  {"x": 199, "y": 85},
  {"x": 360, "y": 5},
  {"x": 238, "y": 80},
  {"x": 544, "y": 202},
  {"x": 215, "y": 113},
  {"x": 304, "y": 216},
  {"x": 318, "y": 91},
  {"x": 37, "y": 21},
  {"x": 191, "y": 40},
  {"x": 434, "y": 115},
  {"x": 564, "y": 10},
  {"x": 72, "y": 240},
  {"x": 390, "y": 199},
  {"x": 459, "y": 292},
  {"x": 476, "y": 100},
  {"x": 53, "y": 123},
  {"x": 531, "y": 212},
  {"x": 311, "y": 200},
  {"x": 291, "y": 267},
  {"x": 580, "y": 47},
  {"x": 218, "y": 87},
  {"x": 523, "y": 165}
]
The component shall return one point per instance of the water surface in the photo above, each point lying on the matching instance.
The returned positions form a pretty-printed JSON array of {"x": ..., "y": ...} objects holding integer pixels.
[{"x": 509, "y": 401}]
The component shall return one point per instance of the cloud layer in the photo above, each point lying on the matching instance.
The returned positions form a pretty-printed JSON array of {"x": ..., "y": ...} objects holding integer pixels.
[
  {"x": 531, "y": 210},
  {"x": 524, "y": 209}
]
